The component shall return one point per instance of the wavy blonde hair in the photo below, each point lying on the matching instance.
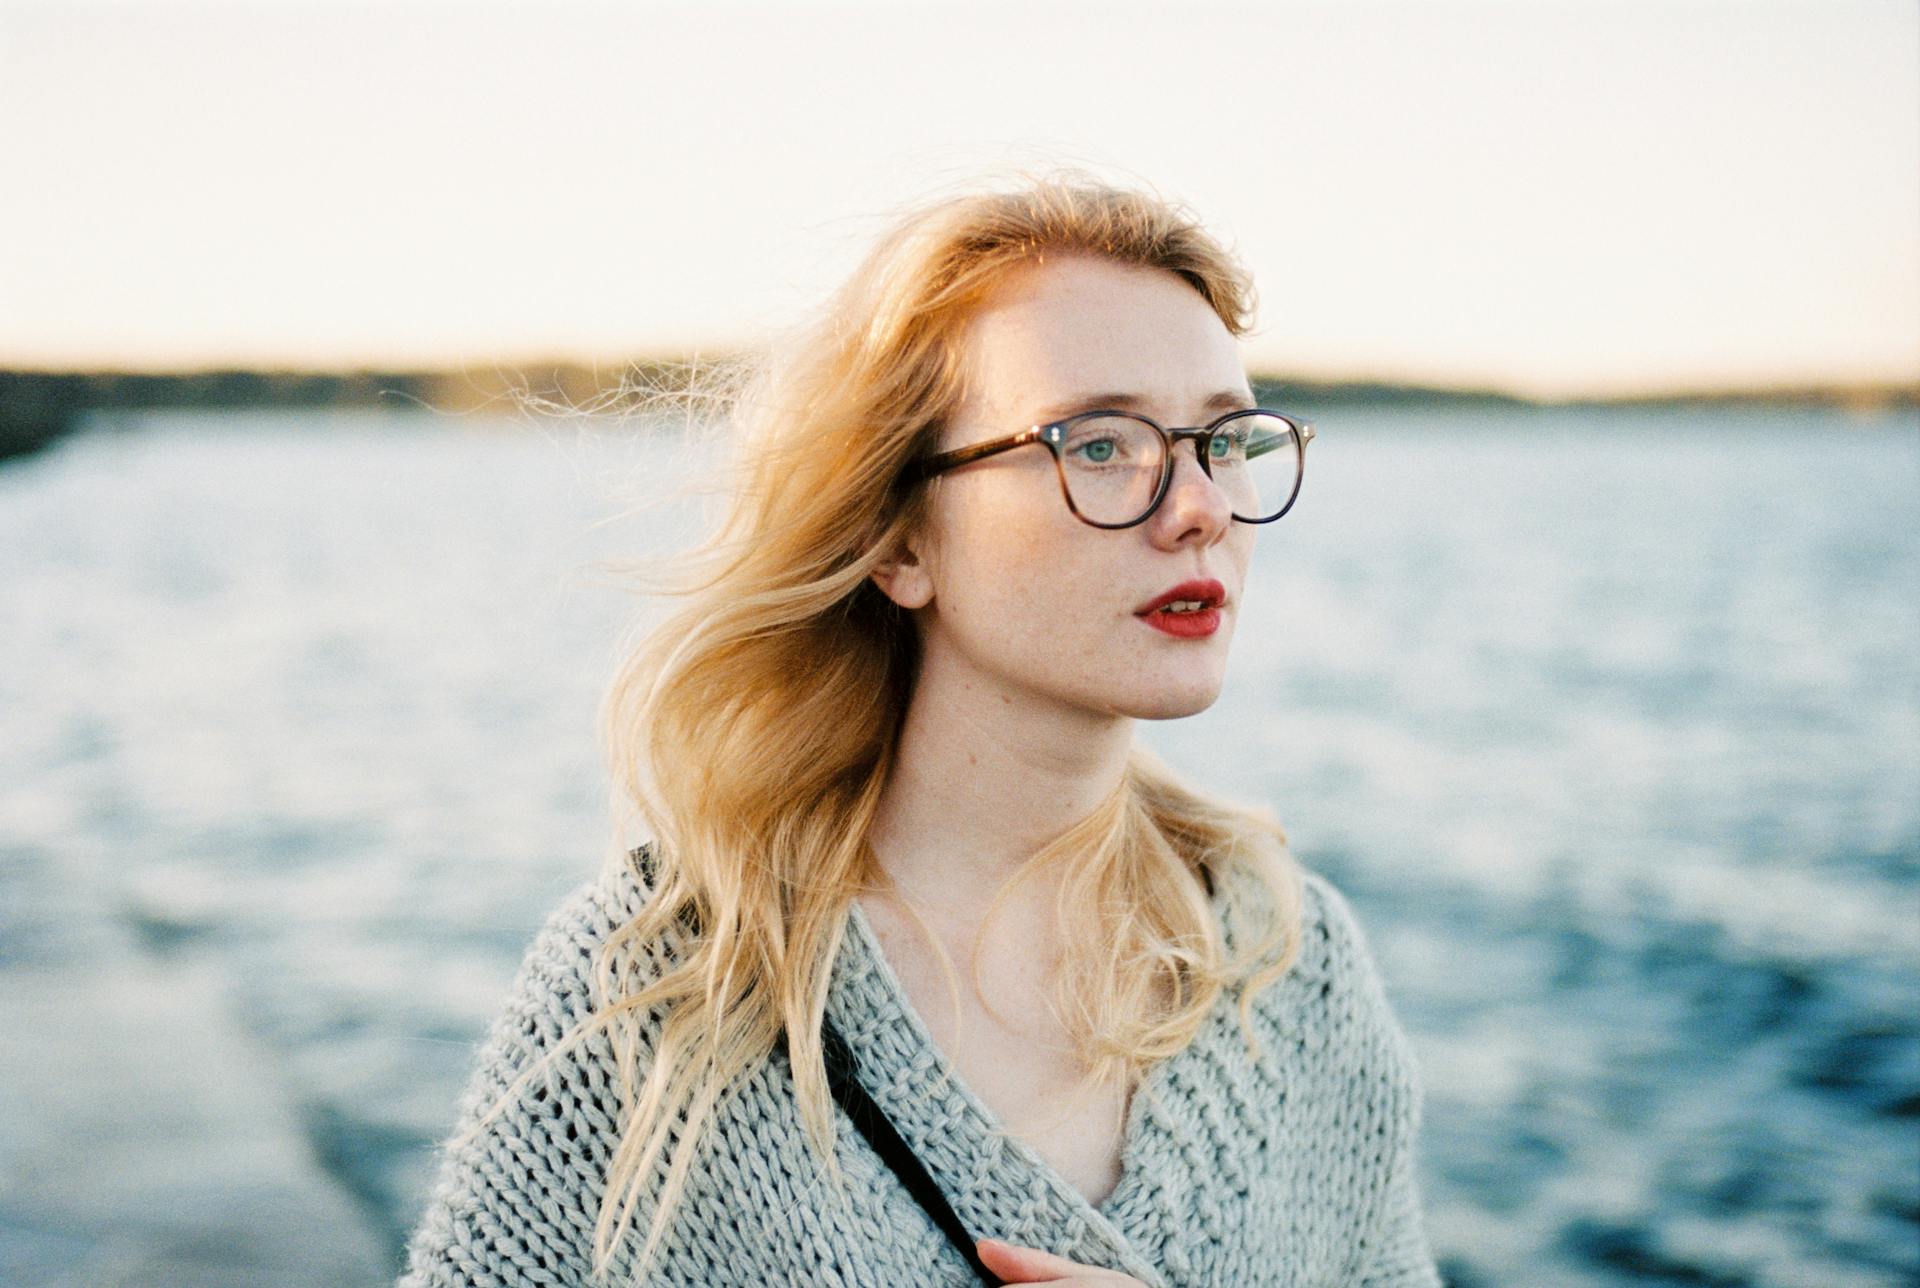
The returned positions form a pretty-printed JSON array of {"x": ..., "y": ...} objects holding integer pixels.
[{"x": 753, "y": 731}]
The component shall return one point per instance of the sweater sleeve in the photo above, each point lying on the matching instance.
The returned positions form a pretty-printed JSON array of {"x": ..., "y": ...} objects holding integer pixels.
[
  {"x": 1399, "y": 1256},
  {"x": 1394, "y": 1252},
  {"x": 515, "y": 1201}
]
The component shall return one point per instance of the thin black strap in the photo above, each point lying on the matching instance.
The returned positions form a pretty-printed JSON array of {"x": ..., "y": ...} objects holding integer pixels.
[
  {"x": 843, "y": 1080},
  {"x": 873, "y": 1124}
]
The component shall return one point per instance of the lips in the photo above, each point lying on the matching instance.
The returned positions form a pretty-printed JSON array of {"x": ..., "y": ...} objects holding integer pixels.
[
  {"x": 1190, "y": 610},
  {"x": 1208, "y": 593}
]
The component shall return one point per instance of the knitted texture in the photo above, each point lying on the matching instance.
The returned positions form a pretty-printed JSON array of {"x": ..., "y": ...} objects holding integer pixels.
[{"x": 1293, "y": 1169}]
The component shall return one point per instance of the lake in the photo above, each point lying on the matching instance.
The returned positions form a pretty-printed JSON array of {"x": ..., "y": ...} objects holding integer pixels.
[{"x": 1607, "y": 721}]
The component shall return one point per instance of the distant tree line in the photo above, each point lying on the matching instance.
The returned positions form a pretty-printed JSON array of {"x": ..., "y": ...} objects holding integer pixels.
[
  {"x": 37, "y": 407},
  {"x": 1285, "y": 394}
]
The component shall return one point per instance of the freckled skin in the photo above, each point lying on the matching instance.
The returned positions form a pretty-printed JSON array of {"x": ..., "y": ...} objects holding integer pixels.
[{"x": 1014, "y": 594}]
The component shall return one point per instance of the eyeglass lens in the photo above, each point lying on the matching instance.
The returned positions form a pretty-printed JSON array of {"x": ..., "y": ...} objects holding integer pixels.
[{"x": 1112, "y": 465}]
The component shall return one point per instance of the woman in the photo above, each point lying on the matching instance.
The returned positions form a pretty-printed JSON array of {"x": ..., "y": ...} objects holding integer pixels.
[{"x": 996, "y": 505}]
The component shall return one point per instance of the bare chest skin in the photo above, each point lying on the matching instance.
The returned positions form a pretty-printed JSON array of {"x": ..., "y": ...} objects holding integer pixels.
[{"x": 1020, "y": 1063}]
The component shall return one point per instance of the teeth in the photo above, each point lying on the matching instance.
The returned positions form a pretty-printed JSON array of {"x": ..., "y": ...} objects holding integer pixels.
[{"x": 1185, "y": 606}]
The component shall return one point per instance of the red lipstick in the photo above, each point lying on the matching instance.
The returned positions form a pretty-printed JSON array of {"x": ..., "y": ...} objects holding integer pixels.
[{"x": 1197, "y": 614}]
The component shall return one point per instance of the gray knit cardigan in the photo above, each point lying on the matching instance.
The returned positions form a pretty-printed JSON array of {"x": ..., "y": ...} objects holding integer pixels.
[{"x": 1294, "y": 1169}]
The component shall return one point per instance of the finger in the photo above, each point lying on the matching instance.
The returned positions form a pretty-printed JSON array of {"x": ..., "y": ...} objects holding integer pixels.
[{"x": 1018, "y": 1265}]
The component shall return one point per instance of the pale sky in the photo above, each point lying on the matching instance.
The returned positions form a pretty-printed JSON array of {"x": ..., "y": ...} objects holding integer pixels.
[{"x": 1551, "y": 196}]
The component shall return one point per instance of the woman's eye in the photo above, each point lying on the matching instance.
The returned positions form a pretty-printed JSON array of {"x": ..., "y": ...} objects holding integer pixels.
[{"x": 1099, "y": 450}]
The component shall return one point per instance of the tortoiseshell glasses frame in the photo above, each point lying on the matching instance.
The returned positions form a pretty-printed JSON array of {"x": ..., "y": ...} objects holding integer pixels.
[{"x": 1053, "y": 436}]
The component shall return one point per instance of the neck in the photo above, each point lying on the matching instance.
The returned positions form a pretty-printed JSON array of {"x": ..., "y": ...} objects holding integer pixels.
[{"x": 984, "y": 777}]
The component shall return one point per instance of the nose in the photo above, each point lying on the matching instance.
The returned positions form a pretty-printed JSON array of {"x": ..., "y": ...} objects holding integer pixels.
[{"x": 1194, "y": 510}]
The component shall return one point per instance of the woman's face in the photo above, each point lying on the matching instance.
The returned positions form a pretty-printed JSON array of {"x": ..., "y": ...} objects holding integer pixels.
[{"x": 1017, "y": 597}]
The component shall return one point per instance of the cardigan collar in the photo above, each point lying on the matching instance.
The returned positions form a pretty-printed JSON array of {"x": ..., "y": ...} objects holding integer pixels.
[{"x": 999, "y": 1186}]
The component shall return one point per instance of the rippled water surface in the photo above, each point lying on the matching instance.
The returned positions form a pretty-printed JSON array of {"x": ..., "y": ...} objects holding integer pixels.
[{"x": 1608, "y": 723}]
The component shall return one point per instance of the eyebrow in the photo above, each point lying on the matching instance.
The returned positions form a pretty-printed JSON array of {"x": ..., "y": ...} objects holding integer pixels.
[{"x": 1225, "y": 400}]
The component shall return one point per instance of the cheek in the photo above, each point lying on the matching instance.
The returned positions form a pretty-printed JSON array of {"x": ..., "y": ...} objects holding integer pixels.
[
  {"x": 996, "y": 574},
  {"x": 998, "y": 496},
  {"x": 1006, "y": 561}
]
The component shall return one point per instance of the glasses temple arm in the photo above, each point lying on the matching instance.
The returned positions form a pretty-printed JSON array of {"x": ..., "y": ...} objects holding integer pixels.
[{"x": 928, "y": 466}]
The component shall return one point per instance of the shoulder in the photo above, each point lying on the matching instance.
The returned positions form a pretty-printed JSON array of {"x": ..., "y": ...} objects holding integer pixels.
[
  {"x": 1336, "y": 951},
  {"x": 1365, "y": 1066},
  {"x": 557, "y": 972},
  {"x": 528, "y": 1151},
  {"x": 1274, "y": 891},
  {"x": 587, "y": 916},
  {"x": 1305, "y": 904},
  {"x": 554, "y": 990},
  {"x": 1331, "y": 1011},
  {"x": 1332, "y": 943},
  {"x": 1312, "y": 1109}
]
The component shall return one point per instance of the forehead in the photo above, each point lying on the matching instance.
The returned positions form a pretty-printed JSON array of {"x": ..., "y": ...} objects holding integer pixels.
[{"x": 1074, "y": 325}]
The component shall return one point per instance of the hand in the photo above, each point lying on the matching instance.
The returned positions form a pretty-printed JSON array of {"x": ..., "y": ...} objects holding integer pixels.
[{"x": 1019, "y": 1265}]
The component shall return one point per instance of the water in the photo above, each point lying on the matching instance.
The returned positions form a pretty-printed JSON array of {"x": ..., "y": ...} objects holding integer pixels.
[{"x": 1608, "y": 722}]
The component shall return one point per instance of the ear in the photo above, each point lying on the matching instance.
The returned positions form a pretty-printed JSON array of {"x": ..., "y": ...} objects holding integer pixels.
[{"x": 904, "y": 578}]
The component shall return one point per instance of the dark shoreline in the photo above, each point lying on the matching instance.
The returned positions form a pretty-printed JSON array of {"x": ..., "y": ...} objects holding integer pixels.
[{"x": 38, "y": 407}]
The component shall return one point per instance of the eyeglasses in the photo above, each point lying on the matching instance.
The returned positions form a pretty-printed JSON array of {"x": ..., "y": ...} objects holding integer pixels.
[{"x": 1115, "y": 466}]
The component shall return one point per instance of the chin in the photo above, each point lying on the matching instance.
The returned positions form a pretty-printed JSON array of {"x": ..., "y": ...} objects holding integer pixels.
[{"x": 1174, "y": 703}]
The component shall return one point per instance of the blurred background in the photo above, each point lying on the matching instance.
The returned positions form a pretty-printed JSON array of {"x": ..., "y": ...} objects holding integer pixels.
[{"x": 1586, "y": 663}]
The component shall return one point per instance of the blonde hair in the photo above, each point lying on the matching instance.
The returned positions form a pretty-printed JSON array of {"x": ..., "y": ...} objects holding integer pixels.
[{"x": 753, "y": 731}]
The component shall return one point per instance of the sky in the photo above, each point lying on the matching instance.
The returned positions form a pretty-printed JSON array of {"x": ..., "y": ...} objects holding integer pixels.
[{"x": 1557, "y": 197}]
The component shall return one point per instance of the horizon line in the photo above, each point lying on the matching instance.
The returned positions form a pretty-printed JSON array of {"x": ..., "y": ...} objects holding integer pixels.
[{"x": 573, "y": 371}]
